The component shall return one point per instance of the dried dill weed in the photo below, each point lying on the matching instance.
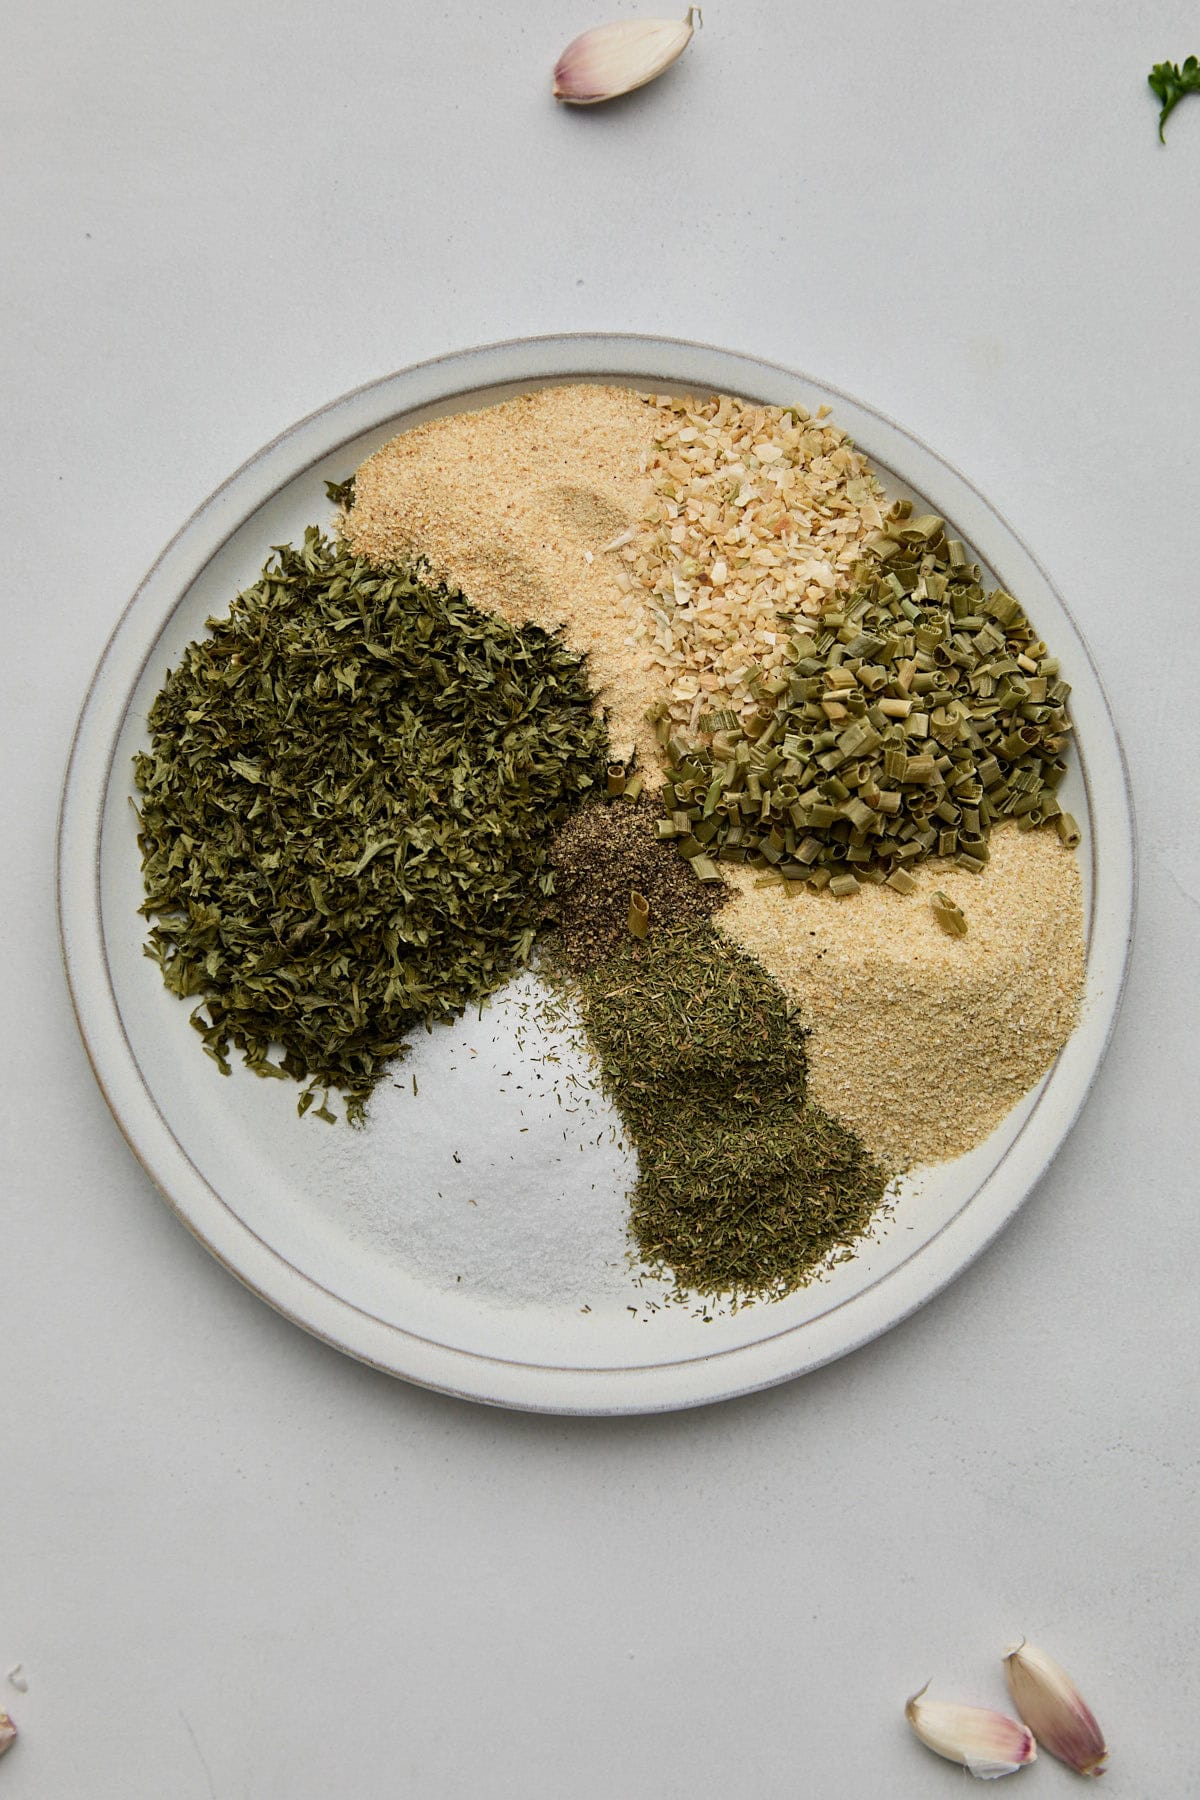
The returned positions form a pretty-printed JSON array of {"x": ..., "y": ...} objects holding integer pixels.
[
  {"x": 922, "y": 1041},
  {"x": 745, "y": 1190},
  {"x": 345, "y": 813}
]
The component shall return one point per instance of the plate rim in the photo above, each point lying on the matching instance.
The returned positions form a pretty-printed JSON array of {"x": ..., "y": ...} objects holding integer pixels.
[{"x": 467, "y": 1374}]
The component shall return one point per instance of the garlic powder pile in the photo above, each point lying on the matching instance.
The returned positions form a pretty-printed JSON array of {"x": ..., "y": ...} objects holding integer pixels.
[{"x": 920, "y": 1041}]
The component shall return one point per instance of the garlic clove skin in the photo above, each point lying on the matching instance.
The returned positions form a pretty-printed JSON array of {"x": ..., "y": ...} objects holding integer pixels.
[
  {"x": 616, "y": 59},
  {"x": 988, "y": 1744},
  {"x": 1053, "y": 1708},
  {"x": 8, "y": 1733}
]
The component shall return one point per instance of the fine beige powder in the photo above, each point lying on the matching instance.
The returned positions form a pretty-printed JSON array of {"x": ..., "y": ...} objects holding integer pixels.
[
  {"x": 515, "y": 505},
  {"x": 920, "y": 1041}
]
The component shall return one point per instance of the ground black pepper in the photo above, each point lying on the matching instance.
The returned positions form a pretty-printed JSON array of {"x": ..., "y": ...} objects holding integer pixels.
[{"x": 603, "y": 854}]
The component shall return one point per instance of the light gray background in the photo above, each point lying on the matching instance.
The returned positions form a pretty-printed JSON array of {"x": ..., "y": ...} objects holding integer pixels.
[{"x": 235, "y": 1565}]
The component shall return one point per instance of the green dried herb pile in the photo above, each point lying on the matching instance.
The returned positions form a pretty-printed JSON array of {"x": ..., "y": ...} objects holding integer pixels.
[
  {"x": 346, "y": 811},
  {"x": 743, "y": 1189},
  {"x": 605, "y": 853},
  {"x": 905, "y": 724}
]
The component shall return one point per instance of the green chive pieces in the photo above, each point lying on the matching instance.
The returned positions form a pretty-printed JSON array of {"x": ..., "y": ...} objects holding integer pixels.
[
  {"x": 949, "y": 914},
  {"x": 909, "y": 720}
]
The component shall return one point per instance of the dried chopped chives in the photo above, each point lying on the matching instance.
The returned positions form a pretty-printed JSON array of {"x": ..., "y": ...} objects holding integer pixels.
[
  {"x": 919, "y": 711},
  {"x": 949, "y": 914}
]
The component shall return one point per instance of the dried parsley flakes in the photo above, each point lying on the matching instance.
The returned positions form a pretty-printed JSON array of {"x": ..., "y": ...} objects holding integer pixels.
[
  {"x": 744, "y": 1189},
  {"x": 346, "y": 808}
]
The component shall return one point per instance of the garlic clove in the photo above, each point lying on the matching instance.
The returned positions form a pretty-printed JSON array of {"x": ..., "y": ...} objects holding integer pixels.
[
  {"x": 615, "y": 59},
  {"x": 8, "y": 1733},
  {"x": 987, "y": 1743},
  {"x": 1053, "y": 1708}
]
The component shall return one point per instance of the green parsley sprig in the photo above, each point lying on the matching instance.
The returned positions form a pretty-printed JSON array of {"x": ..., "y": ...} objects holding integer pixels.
[{"x": 1170, "y": 84}]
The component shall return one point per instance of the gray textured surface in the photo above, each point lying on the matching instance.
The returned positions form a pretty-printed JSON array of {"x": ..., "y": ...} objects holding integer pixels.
[{"x": 237, "y": 1565}]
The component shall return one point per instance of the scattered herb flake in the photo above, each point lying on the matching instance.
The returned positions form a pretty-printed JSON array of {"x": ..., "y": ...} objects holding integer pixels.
[{"x": 1170, "y": 83}]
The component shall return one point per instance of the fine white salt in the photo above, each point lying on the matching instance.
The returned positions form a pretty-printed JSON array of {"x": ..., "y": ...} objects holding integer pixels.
[{"x": 505, "y": 1174}]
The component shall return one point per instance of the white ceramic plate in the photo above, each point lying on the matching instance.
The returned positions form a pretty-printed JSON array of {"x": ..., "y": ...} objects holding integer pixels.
[{"x": 500, "y": 1276}]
